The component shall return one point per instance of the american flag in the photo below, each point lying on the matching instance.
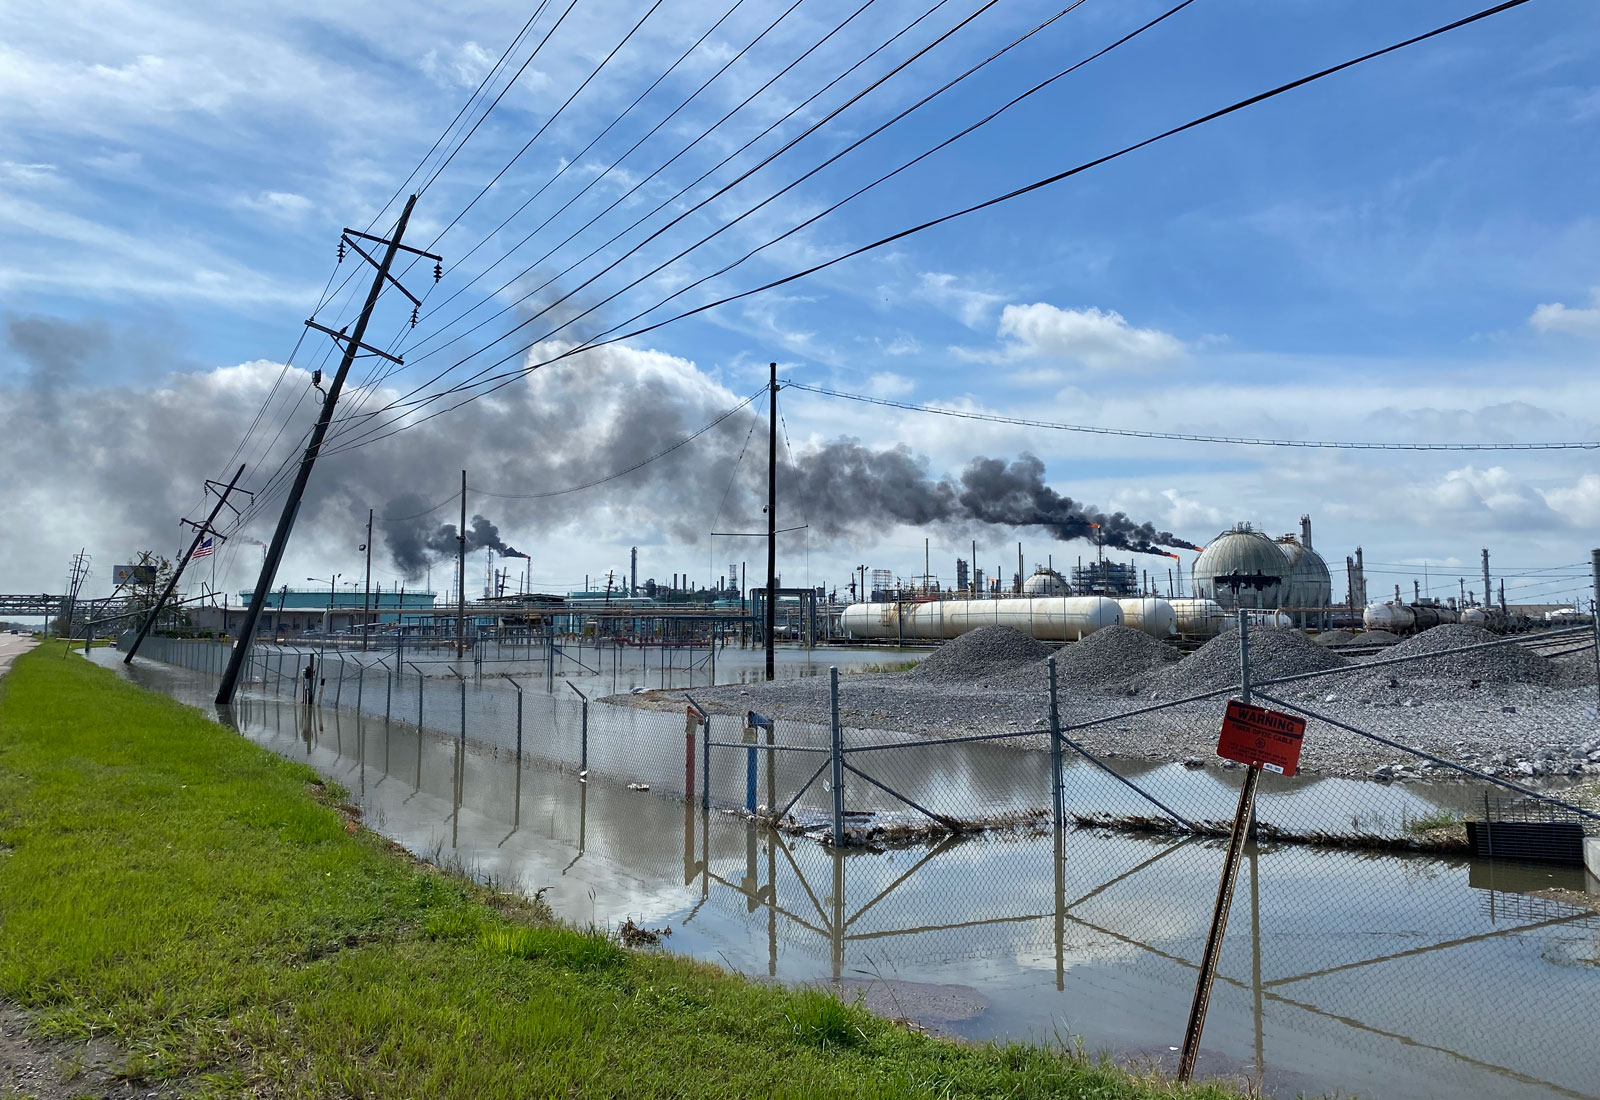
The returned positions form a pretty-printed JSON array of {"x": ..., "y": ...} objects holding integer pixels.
[{"x": 204, "y": 549}]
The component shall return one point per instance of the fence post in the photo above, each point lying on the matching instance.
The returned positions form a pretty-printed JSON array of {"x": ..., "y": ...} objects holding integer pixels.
[
  {"x": 583, "y": 731},
  {"x": 1055, "y": 751},
  {"x": 837, "y": 758},
  {"x": 388, "y": 697},
  {"x": 361, "y": 683},
  {"x": 463, "y": 680},
  {"x": 1594, "y": 613},
  {"x": 338, "y": 688},
  {"x": 519, "y": 722},
  {"x": 1242, "y": 822},
  {"x": 421, "y": 682}
]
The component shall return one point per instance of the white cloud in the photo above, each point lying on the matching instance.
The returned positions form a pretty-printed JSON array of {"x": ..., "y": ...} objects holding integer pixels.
[
  {"x": 1095, "y": 338},
  {"x": 278, "y": 204},
  {"x": 1575, "y": 321},
  {"x": 889, "y": 384},
  {"x": 27, "y": 174},
  {"x": 464, "y": 66},
  {"x": 1578, "y": 503},
  {"x": 1494, "y": 496},
  {"x": 971, "y": 307}
]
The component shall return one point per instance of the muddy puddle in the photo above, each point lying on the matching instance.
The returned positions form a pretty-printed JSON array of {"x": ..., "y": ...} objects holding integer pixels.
[{"x": 1384, "y": 975}]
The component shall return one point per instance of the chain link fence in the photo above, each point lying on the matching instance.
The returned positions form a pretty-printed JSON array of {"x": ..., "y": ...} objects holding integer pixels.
[{"x": 1092, "y": 838}]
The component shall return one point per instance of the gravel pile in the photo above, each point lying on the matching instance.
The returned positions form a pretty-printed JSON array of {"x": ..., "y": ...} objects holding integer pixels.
[
  {"x": 1505, "y": 664},
  {"x": 1376, "y": 637},
  {"x": 1281, "y": 652},
  {"x": 1335, "y": 637},
  {"x": 979, "y": 655},
  {"x": 1115, "y": 660}
]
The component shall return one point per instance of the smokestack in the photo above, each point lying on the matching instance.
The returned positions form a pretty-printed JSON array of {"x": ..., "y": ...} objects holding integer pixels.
[
  {"x": 1305, "y": 531},
  {"x": 633, "y": 571},
  {"x": 1416, "y": 591},
  {"x": 1361, "y": 577},
  {"x": 1488, "y": 589}
]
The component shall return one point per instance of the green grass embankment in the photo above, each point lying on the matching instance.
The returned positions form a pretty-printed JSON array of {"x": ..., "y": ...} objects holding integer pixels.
[{"x": 171, "y": 886}]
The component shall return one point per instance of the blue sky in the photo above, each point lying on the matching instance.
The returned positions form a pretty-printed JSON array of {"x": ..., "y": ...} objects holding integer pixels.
[{"x": 1405, "y": 251}]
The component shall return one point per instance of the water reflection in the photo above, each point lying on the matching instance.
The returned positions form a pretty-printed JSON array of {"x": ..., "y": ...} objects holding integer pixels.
[{"x": 1376, "y": 974}]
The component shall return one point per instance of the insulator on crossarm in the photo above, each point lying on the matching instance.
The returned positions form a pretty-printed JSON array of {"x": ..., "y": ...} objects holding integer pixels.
[
  {"x": 413, "y": 316},
  {"x": 438, "y": 272},
  {"x": 341, "y": 250}
]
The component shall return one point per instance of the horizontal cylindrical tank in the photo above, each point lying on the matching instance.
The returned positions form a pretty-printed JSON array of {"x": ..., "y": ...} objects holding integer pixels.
[
  {"x": 1394, "y": 617},
  {"x": 1049, "y": 618},
  {"x": 1475, "y": 616},
  {"x": 1200, "y": 618},
  {"x": 1149, "y": 615}
]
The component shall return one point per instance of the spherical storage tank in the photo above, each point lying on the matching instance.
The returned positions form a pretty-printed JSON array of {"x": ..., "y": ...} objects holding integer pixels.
[
  {"x": 1045, "y": 583},
  {"x": 1249, "y": 555},
  {"x": 1308, "y": 583}
]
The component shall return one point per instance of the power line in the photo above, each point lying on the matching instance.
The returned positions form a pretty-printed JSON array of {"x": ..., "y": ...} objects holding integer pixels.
[
  {"x": 639, "y": 183},
  {"x": 1187, "y": 437},
  {"x": 506, "y": 377},
  {"x": 941, "y": 38},
  {"x": 568, "y": 162},
  {"x": 724, "y": 189}
]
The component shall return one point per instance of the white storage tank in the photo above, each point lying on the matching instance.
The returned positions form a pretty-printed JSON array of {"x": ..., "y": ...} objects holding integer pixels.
[
  {"x": 1200, "y": 618},
  {"x": 1154, "y": 617},
  {"x": 1047, "y": 618}
]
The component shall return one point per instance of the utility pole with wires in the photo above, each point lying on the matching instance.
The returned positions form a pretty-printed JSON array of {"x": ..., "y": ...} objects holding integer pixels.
[
  {"x": 366, "y": 600},
  {"x": 201, "y": 530},
  {"x": 772, "y": 519},
  {"x": 461, "y": 574},
  {"x": 352, "y": 346}
]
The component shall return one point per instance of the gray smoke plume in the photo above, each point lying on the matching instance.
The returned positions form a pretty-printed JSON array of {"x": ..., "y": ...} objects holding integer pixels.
[{"x": 117, "y": 465}]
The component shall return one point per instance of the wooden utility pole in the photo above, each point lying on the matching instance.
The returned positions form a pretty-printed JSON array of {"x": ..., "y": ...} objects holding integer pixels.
[
  {"x": 352, "y": 346},
  {"x": 177, "y": 574},
  {"x": 461, "y": 574},
  {"x": 366, "y": 599},
  {"x": 772, "y": 517}
]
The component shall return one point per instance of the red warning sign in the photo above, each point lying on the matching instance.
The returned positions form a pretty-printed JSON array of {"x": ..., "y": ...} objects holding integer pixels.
[{"x": 1256, "y": 735}]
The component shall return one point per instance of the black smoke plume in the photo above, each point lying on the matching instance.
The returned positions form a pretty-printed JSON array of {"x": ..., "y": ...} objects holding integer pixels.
[
  {"x": 417, "y": 542},
  {"x": 843, "y": 486}
]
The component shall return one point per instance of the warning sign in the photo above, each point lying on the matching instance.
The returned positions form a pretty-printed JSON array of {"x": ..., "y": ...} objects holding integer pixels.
[{"x": 1255, "y": 735}]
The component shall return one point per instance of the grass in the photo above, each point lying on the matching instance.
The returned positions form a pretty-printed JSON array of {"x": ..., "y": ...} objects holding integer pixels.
[
  {"x": 170, "y": 886},
  {"x": 1438, "y": 819}
]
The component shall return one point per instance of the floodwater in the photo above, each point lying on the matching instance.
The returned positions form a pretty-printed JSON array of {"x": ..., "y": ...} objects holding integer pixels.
[{"x": 1382, "y": 975}]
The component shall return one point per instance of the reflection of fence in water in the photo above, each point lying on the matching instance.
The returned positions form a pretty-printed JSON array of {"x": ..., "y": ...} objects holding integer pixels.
[{"x": 1347, "y": 948}]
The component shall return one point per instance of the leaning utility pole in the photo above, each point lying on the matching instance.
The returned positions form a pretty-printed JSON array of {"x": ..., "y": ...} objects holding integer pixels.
[
  {"x": 366, "y": 599},
  {"x": 461, "y": 574},
  {"x": 291, "y": 506},
  {"x": 200, "y": 533},
  {"x": 772, "y": 517}
]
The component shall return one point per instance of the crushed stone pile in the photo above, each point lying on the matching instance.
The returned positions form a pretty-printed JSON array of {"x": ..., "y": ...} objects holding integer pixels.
[
  {"x": 1114, "y": 660},
  {"x": 1281, "y": 652},
  {"x": 1376, "y": 637},
  {"x": 1335, "y": 637},
  {"x": 1505, "y": 664},
  {"x": 978, "y": 655}
]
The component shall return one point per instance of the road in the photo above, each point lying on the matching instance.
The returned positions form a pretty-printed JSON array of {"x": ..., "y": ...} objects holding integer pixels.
[{"x": 13, "y": 646}]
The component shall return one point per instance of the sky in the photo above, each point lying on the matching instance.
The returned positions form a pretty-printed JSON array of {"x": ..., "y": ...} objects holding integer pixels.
[{"x": 1404, "y": 252}]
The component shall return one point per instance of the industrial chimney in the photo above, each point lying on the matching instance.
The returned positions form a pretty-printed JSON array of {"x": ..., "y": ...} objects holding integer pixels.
[{"x": 1305, "y": 531}]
